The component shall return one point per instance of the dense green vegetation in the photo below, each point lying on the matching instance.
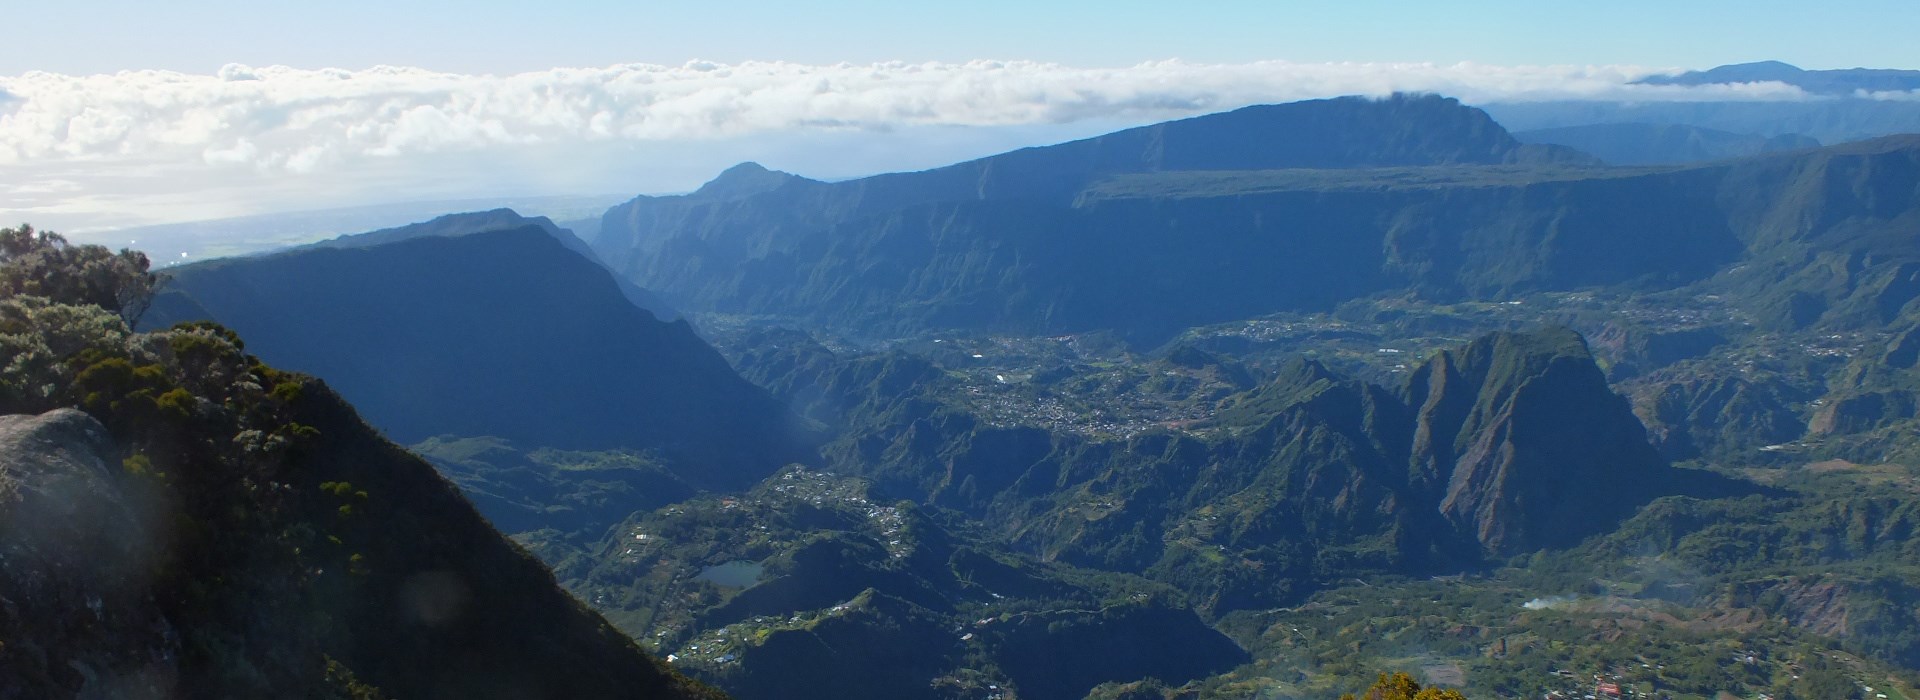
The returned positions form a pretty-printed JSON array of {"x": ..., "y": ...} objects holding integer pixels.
[
  {"x": 576, "y": 494},
  {"x": 1308, "y": 478},
  {"x": 42, "y": 264},
  {"x": 1400, "y": 686},
  {"x": 1826, "y": 538},
  {"x": 244, "y": 534},
  {"x": 808, "y": 577}
]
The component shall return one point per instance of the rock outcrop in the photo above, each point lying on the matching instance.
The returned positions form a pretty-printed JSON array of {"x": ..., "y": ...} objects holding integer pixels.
[
  {"x": 1530, "y": 446},
  {"x": 76, "y": 615}
]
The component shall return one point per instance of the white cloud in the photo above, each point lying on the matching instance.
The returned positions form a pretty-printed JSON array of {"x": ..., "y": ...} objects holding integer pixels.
[
  {"x": 241, "y": 124},
  {"x": 388, "y": 111},
  {"x": 1890, "y": 95},
  {"x": 241, "y": 152}
]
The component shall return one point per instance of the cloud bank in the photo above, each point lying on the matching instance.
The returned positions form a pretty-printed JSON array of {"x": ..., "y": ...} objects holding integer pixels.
[{"x": 167, "y": 135}]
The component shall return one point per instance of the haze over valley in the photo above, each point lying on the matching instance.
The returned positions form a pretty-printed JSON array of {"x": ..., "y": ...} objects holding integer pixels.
[{"x": 1534, "y": 372}]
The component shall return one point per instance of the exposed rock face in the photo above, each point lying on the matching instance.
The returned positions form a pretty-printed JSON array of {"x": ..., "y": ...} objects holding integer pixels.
[
  {"x": 53, "y": 470},
  {"x": 1817, "y": 606},
  {"x": 1532, "y": 447},
  {"x": 74, "y": 612}
]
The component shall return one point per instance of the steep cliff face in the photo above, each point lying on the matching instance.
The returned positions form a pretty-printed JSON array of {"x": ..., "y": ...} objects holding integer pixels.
[
  {"x": 1532, "y": 447},
  {"x": 455, "y": 225},
  {"x": 205, "y": 525},
  {"x": 129, "y": 583},
  {"x": 503, "y": 333},
  {"x": 1282, "y": 208},
  {"x": 1509, "y": 444},
  {"x": 974, "y": 243},
  {"x": 1347, "y": 132},
  {"x": 1829, "y": 233},
  {"x": 1657, "y": 144}
]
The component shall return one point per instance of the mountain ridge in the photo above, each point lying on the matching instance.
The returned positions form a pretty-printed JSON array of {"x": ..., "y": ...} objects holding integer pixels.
[
  {"x": 1311, "y": 475},
  {"x": 1148, "y": 253},
  {"x": 1842, "y": 81},
  {"x": 628, "y": 380},
  {"x": 1320, "y": 133},
  {"x": 1660, "y": 144},
  {"x": 468, "y": 223}
]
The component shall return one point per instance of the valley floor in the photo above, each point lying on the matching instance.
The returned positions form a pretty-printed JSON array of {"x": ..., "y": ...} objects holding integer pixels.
[{"x": 1794, "y": 580}]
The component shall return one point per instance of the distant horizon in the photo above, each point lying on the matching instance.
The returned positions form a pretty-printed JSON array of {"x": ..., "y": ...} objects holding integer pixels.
[
  {"x": 114, "y": 151},
  {"x": 118, "y": 113}
]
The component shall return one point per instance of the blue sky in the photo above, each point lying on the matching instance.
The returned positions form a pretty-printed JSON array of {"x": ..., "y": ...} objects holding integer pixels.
[
  {"x": 87, "y": 36},
  {"x": 564, "y": 97}
]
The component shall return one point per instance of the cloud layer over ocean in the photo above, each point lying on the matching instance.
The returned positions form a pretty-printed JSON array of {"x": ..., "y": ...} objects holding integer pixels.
[{"x": 258, "y": 138}]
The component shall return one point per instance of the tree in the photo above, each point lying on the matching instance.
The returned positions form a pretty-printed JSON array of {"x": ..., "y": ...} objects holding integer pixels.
[
  {"x": 1823, "y": 681},
  {"x": 1400, "y": 686},
  {"x": 44, "y": 264},
  {"x": 37, "y": 340}
]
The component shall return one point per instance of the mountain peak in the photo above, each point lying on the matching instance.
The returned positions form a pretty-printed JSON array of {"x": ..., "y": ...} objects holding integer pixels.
[
  {"x": 1775, "y": 67},
  {"x": 1755, "y": 72},
  {"x": 1530, "y": 445},
  {"x": 1403, "y": 129},
  {"x": 456, "y": 224},
  {"x": 743, "y": 180}
]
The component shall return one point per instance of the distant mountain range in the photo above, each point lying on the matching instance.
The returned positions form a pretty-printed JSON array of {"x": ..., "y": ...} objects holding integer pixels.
[
  {"x": 1149, "y": 231},
  {"x": 1840, "y": 105},
  {"x": 832, "y": 502},
  {"x": 1829, "y": 120},
  {"x": 195, "y": 241},
  {"x": 1841, "y": 82}
]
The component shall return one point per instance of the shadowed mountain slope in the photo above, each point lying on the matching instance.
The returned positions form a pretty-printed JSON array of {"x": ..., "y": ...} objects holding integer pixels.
[
  {"x": 1509, "y": 444},
  {"x": 210, "y": 526},
  {"x": 1663, "y": 144},
  {"x": 503, "y": 333}
]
